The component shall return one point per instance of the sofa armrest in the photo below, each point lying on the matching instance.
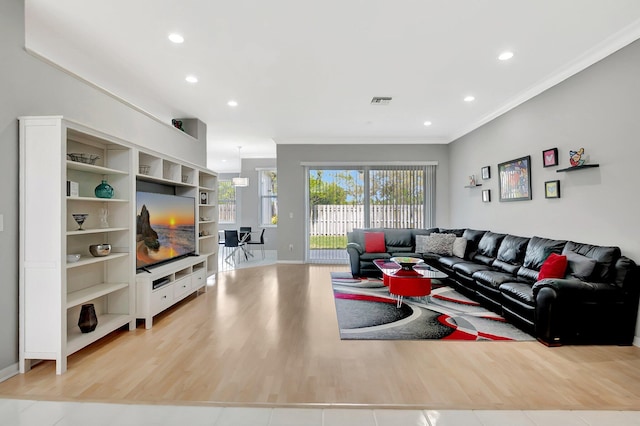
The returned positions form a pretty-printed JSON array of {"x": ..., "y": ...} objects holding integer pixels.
[
  {"x": 355, "y": 247},
  {"x": 575, "y": 289},
  {"x": 354, "y": 250}
]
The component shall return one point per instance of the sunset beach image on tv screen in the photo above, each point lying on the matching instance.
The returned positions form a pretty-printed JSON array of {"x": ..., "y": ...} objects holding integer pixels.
[{"x": 165, "y": 227}]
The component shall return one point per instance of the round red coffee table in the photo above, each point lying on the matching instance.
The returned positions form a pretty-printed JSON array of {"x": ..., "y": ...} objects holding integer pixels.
[{"x": 412, "y": 279}]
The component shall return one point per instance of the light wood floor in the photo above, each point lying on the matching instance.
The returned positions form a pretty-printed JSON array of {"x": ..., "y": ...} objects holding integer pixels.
[{"x": 269, "y": 335}]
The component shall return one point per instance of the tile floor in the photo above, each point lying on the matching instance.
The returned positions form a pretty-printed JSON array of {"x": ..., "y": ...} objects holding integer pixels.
[{"x": 16, "y": 412}]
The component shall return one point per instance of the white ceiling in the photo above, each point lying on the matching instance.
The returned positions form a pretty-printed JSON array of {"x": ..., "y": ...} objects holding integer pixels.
[{"x": 304, "y": 71}]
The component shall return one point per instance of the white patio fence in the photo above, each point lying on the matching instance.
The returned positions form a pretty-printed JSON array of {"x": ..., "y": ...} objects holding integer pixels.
[{"x": 337, "y": 220}]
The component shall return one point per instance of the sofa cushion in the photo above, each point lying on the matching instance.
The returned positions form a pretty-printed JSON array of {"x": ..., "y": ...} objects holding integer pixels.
[
  {"x": 468, "y": 268},
  {"x": 398, "y": 238},
  {"x": 420, "y": 231},
  {"x": 473, "y": 237},
  {"x": 606, "y": 258},
  {"x": 369, "y": 257},
  {"x": 579, "y": 266},
  {"x": 512, "y": 249},
  {"x": 554, "y": 267},
  {"x": 493, "y": 279},
  {"x": 449, "y": 261},
  {"x": 374, "y": 242},
  {"x": 489, "y": 243},
  {"x": 519, "y": 291},
  {"x": 539, "y": 249},
  {"x": 459, "y": 247},
  {"x": 456, "y": 231},
  {"x": 440, "y": 244}
]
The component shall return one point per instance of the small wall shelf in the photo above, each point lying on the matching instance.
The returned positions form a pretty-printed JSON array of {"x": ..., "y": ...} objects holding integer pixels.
[
  {"x": 473, "y": 186},
  {"x": 572, "y": 169}
]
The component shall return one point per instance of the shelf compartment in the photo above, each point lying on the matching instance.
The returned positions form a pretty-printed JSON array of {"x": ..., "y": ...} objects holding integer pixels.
[
  {"x": 89, "y": 260},
  {"x": 96, "y": 199},
  {"x": 83, "y": 167},
  {"x": 153, "y": 179},
  {"x": 95, "y": 231},
  {"x": 79, "y": 297},
  {"x": 107, "y": 323}
]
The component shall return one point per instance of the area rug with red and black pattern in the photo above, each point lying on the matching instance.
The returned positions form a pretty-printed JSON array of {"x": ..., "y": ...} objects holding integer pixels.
[{"x": 366, "y": 311}]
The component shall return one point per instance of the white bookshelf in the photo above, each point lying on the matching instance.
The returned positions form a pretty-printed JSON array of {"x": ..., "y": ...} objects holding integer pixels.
[{"x": 52, "y": 291}]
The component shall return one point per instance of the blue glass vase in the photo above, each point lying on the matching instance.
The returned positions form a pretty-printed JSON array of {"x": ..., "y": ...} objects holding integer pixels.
[{"x": 104, "y": 190}]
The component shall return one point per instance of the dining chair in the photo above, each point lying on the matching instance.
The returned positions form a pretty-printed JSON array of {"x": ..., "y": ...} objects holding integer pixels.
[
  {"x": 260, "y": 243},
  {"x": 232, "y": 244},
  {"x": 245, "y": 233}
]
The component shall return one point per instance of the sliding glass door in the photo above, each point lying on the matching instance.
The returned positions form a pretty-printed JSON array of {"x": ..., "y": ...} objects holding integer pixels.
[{"x": 339, "y": 200}]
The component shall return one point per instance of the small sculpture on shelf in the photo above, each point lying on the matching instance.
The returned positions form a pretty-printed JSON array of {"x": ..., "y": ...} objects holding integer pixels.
[
  {"x": 575, "y": 158},
  {"x": 104, "y": 214},
  {"x": 88, "y": 320},
  {"x": 80, "y": 218},
  {"x": 472, "y": 180},
  {"x": 104, "y": 190}
]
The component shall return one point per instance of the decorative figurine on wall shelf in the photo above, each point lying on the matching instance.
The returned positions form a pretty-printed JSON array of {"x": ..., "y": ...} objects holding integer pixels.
[
  {"x": 575, "y": 157},
  {"x": 177, "y": 124},
  {"x": 472, "y": 180}
]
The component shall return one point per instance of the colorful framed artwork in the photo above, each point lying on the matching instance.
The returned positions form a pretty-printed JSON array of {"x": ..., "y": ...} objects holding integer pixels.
[
  {"x": 550, "y": 157},
  {"x": 486, "y": 196},
  {"x": 552, "y": 189},
  {"x": 514, "y": 179},
  {"x": 485, "y": 173}
]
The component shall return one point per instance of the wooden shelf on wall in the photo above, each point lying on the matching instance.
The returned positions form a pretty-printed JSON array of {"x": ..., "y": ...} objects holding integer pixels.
[
  {"x": 473, "y": 186},
  {"x": 573, "y": 169}
]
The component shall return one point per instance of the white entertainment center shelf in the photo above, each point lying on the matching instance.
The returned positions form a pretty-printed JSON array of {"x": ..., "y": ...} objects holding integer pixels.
[{"x": 52, "y": 290}]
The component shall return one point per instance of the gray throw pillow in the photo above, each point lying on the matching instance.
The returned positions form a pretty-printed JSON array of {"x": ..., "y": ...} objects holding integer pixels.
[
  {"x": 579, "y": 266},
  {"x": 421, "y": 243},
  {"x": 441, "y": 244},
  {"x": 459, "y": 247}
]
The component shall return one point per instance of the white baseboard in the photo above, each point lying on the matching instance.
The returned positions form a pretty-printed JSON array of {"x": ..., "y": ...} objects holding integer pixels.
[
  {"x": 8, "y": 372},
  {"x": 292, "y": 262},
  {"x": 636, "y": 341}
]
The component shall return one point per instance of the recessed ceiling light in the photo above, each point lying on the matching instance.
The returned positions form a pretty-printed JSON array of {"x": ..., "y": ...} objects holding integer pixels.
[
  {"x": 232, "y": 103},
  {"x": 191, "y": 79},
  {"x": 469, "y": 98},
  {"x": 176, "y": 38},
  {"x": 505, "y": 56},
  {"x": 427, "y": 123}
]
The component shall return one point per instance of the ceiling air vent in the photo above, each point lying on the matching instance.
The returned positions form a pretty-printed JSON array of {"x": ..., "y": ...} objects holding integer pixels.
[{"x": 380, "y": 100}]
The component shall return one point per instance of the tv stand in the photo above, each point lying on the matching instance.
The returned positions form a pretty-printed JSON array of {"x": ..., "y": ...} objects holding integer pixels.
[{"x": 166, "y": 285}]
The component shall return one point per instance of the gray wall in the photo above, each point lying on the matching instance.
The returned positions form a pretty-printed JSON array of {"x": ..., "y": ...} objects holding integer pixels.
[
  {"x": 596, "y": 109},
  {"x": 29, "y": 86},
  {"x": 247, "y": 200},
  {"x": 291, "y": 182}
]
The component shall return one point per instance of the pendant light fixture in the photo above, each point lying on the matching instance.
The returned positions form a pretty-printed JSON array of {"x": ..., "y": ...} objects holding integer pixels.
[{"x": 240, "y": 181}]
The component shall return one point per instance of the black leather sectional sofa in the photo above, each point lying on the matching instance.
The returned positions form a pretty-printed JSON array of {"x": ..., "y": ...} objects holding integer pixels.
[{"x": 501, "y": 271}]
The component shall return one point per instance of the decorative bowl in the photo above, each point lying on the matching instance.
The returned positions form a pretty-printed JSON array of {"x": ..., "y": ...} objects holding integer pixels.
[
  {"x": 72, "y": 258},
  {"x": 83, "y": 158},
  {"x": 406, "y": 263},
  {"x": 99, "y": 250}
]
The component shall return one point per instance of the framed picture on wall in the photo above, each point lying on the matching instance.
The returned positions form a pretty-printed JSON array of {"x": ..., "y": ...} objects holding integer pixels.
[
  {"x": 485, "y": 172},
  {"x": 204, "y": 198},
  {"x": 550, "y": 157},
  {"x": 514, "y": 179},
  {"x": 552, "y": 189},
  {"x": 486, "y": 196}
]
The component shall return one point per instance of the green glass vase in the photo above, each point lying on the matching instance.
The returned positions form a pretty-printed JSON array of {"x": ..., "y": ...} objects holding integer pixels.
[{"x": 104, "y": 190}]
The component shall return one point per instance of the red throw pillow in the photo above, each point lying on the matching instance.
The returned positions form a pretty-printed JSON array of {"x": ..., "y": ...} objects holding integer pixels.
[
  {"x": 554, "y": 267},
  {"x": 374, "y": 242}
]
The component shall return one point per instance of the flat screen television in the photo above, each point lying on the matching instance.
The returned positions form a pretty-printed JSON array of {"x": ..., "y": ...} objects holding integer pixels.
[{"x": 165, "y": 228}]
